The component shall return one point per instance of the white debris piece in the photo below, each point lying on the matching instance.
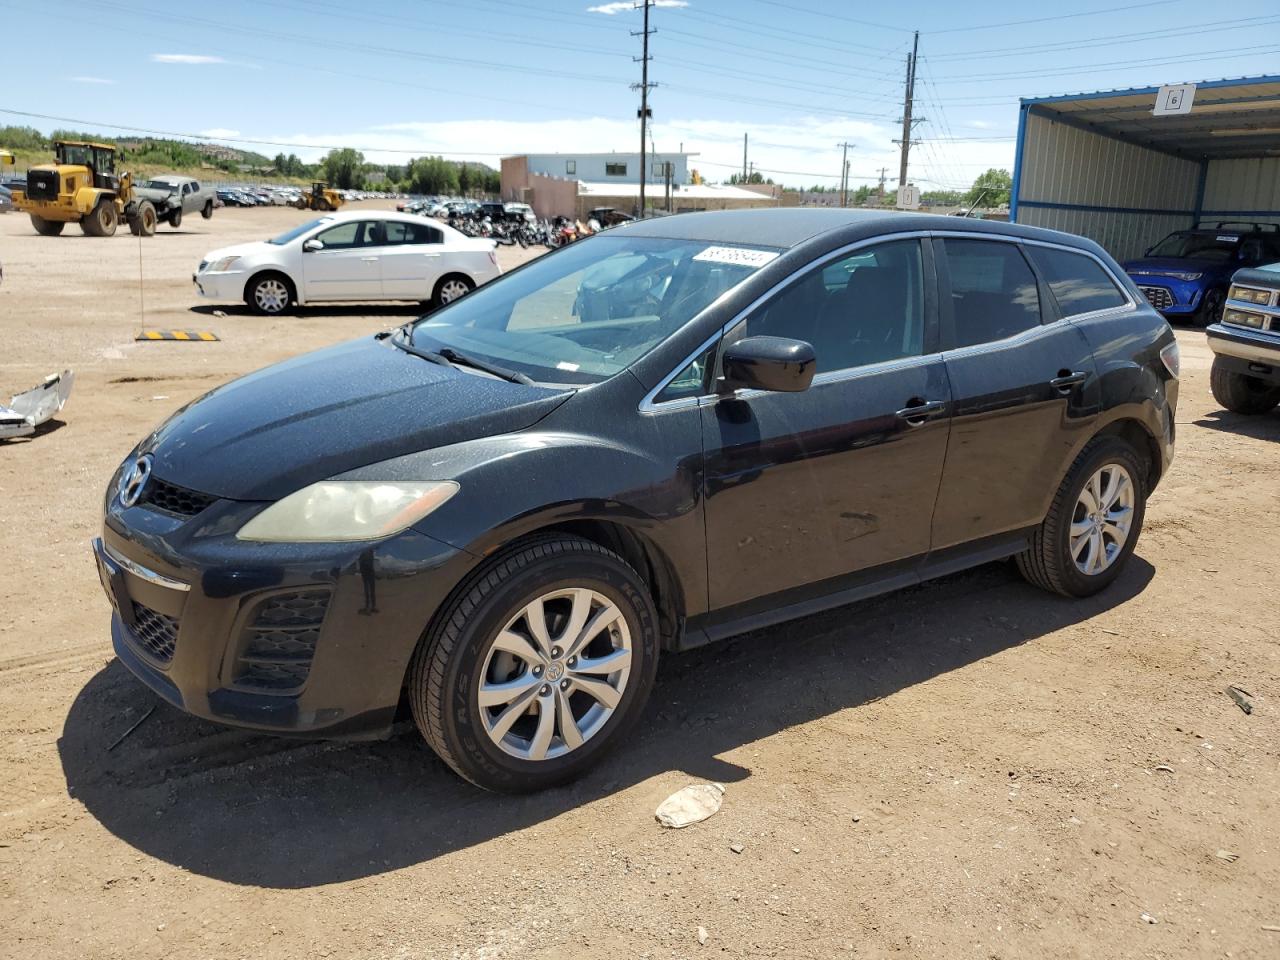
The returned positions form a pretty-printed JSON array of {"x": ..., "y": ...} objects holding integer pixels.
[
  {"x": 28, "y": 410},
  {"x": 693, "y": 804}
]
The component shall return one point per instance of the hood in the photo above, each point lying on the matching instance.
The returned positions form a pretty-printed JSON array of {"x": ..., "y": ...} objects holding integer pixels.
[
  {"x": 241, "y": 250},
  {"x": 154, "y": 195},
  {"x": 321, "y": 414},
  {"x": 1166, "y": 265}
]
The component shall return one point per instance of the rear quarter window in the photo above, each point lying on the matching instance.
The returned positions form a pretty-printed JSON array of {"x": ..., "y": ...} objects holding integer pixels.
[{"x": 1079, "y": 283}]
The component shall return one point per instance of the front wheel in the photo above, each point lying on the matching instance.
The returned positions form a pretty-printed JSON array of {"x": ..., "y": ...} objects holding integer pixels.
[
  {"x": 1240, "y": 393},
  {"x": 537, "y": 666},
  {"x": 269, "y": 294},
  {"x": 175, "y": 218},
  {"x": 1210, "y": 310},
  {"x": 1093, "y": 524}
]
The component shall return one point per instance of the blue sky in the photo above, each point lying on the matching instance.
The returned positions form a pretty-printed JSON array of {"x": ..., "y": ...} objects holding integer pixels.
[{"x": 477, "y": 79}]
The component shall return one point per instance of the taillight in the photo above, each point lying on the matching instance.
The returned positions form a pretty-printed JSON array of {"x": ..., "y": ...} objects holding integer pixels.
[{"x": 1172, "y": 359}]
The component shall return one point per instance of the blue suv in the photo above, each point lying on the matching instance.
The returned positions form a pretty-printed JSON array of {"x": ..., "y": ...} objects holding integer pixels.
[{"x": 1185, "y": 276}]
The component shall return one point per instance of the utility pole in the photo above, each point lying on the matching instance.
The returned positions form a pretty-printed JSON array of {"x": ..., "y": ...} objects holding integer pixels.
[
  {"x": 644, "y": 86},
  {"x": 844, "y": 173},
  {"x": 744, "y": 158},
  {"x": 907, "y": 122}
]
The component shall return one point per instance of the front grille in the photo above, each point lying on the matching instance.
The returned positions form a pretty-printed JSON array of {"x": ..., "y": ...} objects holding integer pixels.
[
  {"x": 174, "y": 499},
  {"x": 156, "y": 633},
  {"x": 1158, "y": 297},
  {"x": 42, "y": 185},
  {"x": 279, "y": 641}
]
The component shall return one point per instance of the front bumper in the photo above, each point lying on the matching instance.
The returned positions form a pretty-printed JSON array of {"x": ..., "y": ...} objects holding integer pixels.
[
  {"x": 1252, "y": 353},
  {"x": 308, "y": 639},
  {"x": 1169, "y": 295},
  {"x": 224, "y": 287}
]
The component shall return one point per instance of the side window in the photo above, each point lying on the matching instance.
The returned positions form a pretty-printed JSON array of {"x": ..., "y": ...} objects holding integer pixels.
[
  {"x": 397, "y": 232},
  {"x": 993, "y": 291},
  {"x": 195, "y": 187},
  {"x": 343, "y": 236},
  {"x": 1078, "y": 283},
  {"x": 864, "y": 308},
  {"x": 689, "y": 382}
]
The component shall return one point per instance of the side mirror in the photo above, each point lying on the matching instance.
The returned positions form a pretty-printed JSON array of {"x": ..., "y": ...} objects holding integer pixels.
[
  {"x": 312, "y": 245},
  {"x": 769, "y": 363}
]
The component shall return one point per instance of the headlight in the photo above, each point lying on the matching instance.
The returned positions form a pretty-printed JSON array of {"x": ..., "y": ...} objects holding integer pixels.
[
  {"x": 1244, "y": 318},
  {"x": 1249, "y": 295},
  {"x": 221, "y": 266},
  {"x": 1184, "y": 276},
  {"x": 335, "y": 510}
]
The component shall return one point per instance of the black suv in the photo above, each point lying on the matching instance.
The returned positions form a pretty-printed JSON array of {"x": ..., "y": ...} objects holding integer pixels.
[{"x": 501, "y": 514}]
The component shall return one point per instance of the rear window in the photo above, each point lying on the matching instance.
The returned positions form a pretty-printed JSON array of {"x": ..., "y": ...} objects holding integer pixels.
[
  {"x": 993, "y": 291},
  {"x": 1079, "y": 283}
]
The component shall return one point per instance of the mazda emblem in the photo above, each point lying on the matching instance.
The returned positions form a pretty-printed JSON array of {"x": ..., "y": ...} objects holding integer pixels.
[{"x": 135, "y": 480}]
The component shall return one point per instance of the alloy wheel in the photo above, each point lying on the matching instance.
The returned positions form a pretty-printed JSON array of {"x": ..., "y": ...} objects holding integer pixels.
[
  {"x": 451, "y": 290},
  {"x": 555, "y": 674},
  {"x": 1102, "y": 519},
  {"x": 271, "y": 296}
]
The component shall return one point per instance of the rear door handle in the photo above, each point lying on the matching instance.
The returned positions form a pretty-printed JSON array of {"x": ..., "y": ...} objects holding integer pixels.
[
  {"x": 1065, "y": 382},
  {"x": 917, "y": 411},
  {"x": 368, "y": 259}
]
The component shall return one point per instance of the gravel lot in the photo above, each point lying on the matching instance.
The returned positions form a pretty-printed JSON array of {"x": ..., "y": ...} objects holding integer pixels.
[{"x": 967, "y": 769}]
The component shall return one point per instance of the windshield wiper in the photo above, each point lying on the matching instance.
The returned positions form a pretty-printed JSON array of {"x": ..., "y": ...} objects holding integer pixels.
[
  {"x": 461, "y": 359},
  {"x": 404, "y": 344}
]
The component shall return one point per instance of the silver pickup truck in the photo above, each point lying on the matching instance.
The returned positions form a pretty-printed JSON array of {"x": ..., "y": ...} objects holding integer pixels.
[
  {"x": 1246, "y": 343},
  {"x": 174, "y": 196}
]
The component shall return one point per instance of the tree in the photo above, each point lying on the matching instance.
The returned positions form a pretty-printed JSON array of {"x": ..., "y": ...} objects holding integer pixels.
[
  {"x": 342, "y": 168},
  {"x": 465, "y": 179},
  {"x": 433, "y": 175},
  {"x": 991, "y": 189}
]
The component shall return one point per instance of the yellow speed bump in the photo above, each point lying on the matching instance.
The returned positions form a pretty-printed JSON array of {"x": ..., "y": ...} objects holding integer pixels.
[{"x": 199, "y": 335}]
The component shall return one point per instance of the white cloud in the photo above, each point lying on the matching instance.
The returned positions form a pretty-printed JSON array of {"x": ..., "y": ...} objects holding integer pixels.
[
  {"x": 797, "y": 152},
  {"x": 980, "y": 124},
  {"x": 191, "y": 58},
  {"x": 619, "y": 6},
  {"x": 97, "y": 80},
  {"x": 219, "y": 133}
]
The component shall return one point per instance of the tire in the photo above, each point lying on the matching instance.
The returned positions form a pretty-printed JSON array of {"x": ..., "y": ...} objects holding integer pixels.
[
  {"x": 300, "y": 204},
  {"x": 1241, "y": 393},
  {"x": 1210, "y": 310},
  {"x": 175, "y": 218},
  {"x": 460, "y": 653},
  {"x": 146, "y": 219},
  {"x": 1050, "y": 563},
  {"x": 207, "y": 211},
  {"x": 102, "y": 220},
  {"x": 270, "y": 294},
  {"x": 46, "y": 228},
  {"x": 450, "y": 288}
]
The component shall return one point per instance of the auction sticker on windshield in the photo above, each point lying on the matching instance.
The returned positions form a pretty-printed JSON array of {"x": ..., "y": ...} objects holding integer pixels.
[{"x": 739, "y": 256}]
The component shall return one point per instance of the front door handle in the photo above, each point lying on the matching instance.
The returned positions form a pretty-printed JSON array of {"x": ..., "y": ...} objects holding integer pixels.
[
  {"x": 918, "y": 411},
  {"x": 368, "y": 259},
  {"x": 1066, "y": 381}
]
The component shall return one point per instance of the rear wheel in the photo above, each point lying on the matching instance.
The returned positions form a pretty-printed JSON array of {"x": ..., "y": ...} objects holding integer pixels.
[
  {"x": 1240, "y": 393},
  {"x": 451, "y": 288},
  {"x": 269, "y": 294},
  {"x": 537, "y": 666},
  {"x": 46, "y": 228},
  {"x": 1093, "y": 523},
  {"x": 102, "y": 220},
  {"x": 207, "y": 212}
]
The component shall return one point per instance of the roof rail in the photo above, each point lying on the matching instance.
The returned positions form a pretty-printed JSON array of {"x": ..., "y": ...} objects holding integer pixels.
[{"x": 1223, "y": 224}]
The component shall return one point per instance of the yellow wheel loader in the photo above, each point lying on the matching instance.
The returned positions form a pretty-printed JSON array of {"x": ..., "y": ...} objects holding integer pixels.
[
  {"x": 82, "y": 186},
  {"x": 319, "y": 197}
]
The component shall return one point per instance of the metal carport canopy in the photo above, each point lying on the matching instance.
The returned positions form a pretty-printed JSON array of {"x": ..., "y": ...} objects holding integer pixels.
[{"x": 1228, "y": 118}]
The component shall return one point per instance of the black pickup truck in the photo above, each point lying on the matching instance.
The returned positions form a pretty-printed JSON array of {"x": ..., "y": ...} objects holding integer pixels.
[{"x": 1246, "y": 342}]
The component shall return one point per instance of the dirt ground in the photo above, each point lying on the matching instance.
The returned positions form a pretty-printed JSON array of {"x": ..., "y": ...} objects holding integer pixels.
[{"x": 967, "y": 769}]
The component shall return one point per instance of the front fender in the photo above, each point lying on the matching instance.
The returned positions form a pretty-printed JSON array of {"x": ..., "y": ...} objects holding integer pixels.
[
  {"x": 87, "y": 198},
  {"x": 516, "y": 484}
]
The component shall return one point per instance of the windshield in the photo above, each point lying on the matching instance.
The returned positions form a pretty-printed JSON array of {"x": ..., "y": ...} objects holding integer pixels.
[
  {"x": 1219, "y": 247},
  {"x": 296, "y": 232},
  {"x": 592, "y": 309},
  {"x": 159, "y": 185}
]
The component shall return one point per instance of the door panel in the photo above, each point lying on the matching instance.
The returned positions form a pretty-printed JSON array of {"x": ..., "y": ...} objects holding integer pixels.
[
  {"x": 1022, "y": 403},
  {"x": 410, "y": 260},
  {"x": 346, "y": 269},
  {"x": 803, "y": 487}
]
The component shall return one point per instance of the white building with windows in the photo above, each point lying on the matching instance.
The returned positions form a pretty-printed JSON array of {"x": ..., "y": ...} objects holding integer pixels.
[{"x": 608, "y": 167}]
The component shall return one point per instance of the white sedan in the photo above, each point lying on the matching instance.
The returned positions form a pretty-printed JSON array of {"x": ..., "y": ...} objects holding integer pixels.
[{"x": 361, "y": 255}]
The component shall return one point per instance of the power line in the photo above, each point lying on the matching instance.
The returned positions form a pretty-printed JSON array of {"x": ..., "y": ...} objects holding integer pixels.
[
  {"x": 793, "y": 8},
  {"x": 1228, "y": 53},
  {"x": 1061, "y": 16}
]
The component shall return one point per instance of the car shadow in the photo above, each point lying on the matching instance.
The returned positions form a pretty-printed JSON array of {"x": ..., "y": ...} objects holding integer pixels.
[
  {"x": 399, "y": 311},
  {"x": 282, "y": 813},
  {"x": 1264, "y": 426}
]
